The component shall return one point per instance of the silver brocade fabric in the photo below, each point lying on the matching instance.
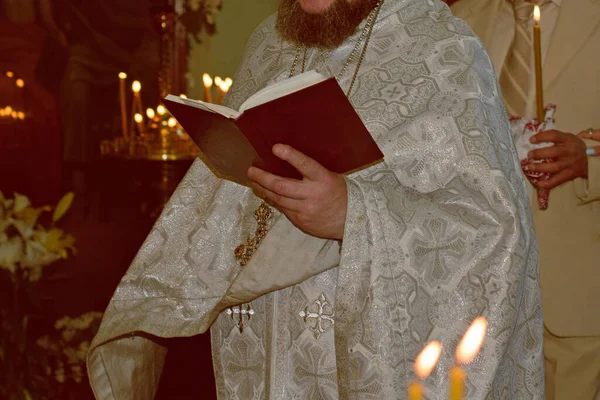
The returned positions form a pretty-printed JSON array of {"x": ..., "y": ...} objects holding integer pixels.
[{"x": 437, "y": 235}]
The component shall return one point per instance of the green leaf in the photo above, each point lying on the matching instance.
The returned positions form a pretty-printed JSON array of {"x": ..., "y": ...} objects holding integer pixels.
[{"x": 63, "y": 206}]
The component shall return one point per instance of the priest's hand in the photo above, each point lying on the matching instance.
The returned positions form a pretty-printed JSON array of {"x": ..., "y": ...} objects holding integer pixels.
[
  {"x": 592, "y": 135},
  {"x": 316, "y": 204},
  {"x": 568, "y": 155}
]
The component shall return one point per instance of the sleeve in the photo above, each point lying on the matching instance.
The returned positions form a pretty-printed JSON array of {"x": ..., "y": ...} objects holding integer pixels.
[
  {"x": 441, "y": 232},
  {"x": 588, "y": 189},
  {"x": 185, "y": 274}
]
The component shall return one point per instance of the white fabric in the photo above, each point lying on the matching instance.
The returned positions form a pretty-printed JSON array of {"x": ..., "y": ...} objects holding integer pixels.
[{"x": 436, "y": 235}]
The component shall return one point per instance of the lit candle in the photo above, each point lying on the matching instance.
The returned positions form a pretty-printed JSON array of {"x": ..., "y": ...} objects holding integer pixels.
[
  {"x": 160, "y": 110},
  {"x": 21, "y": 115},
  {"x": 207, "y": 80},
  {"x": 466, "y": 351},
  {"x": 537, "y": 51},
  {"x": 122, "y": 77},
  {"x": 10, "y": 74},
  {"x": 151, "y": 115},
  {"x": 424, "y": 364},
  {"x": 136, "y": 104},
  {"x": 172, "y": 122},
  {"x": 139, "y": 119},
  {"x": 219, "y": 85},
  {"x": 136, "y": 86},
  {"x": 20, "y": 83}
]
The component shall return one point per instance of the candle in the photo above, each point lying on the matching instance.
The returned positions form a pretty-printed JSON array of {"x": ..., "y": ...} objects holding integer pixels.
[
  {"x": 136, "y": 86},
  {"x": 424, "y": 364},
  {"x": 207, "y": 80},
  {"x": 467, "y": 349},
  {"x": 172, "y": 122},
  {"x": 139, "y": 119},
  {"x": 136, "y": 105},
  {"x": 122, "y": 77},
  {"x": 537, "y": 51},
  {"x": 10, "y": 74},
  {"x": 151, "y": 116},
  {"x": 20, "y": 83}
]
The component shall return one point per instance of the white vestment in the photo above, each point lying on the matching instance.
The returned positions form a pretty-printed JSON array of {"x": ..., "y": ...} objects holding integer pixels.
[{"x": 435, "y": 236}]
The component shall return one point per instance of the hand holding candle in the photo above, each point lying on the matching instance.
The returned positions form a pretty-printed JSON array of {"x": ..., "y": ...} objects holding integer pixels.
[
  {"x": 466, "y": 351},
  {"x": 537, "y": 51},
  {"x": 424, "y": 364}
]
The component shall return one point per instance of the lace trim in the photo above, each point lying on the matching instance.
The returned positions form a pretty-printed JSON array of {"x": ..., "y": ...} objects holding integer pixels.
[{"x": 243, "y": 253}]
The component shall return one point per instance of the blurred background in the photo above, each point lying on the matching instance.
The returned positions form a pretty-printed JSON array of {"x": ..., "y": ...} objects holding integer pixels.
[{"x": 73, "y": 76}]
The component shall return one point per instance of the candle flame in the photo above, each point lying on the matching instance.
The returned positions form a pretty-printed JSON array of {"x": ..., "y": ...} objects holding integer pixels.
[
  {"x": 228, "y": 81},
  {"x": 20, "y": 83},
  {"x": 218, "y": 81},
  {"x": 10, "y": 74},
  {"x": 138, "y": 118},
  {"x": 21, "y": 115},
  {"x": 1, "y": 112},
  {"x": 150, "y": 113},
  {"x": 8, "y": 110},
  {"x": 536, "y": 14},
  {"x": 172, "y": 122},
  {"x": 136, "y": 86},
  {"x": 183, "y": 96},
  {"x": 207, "y": 80},
  {"x": 14, "y": 115},
  {"x": 471, "y": 343},
  {"x": 161, "y": 109},
  {"x": 427, "y": 359},
  {"x": 122, "y": 75}
]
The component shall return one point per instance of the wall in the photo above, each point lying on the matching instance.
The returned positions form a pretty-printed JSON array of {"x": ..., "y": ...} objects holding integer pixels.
[{"x": 221, "y": 54}]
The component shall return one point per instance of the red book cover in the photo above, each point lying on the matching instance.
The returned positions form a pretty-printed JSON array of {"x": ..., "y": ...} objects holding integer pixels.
[{"x": 318, "y": 121}]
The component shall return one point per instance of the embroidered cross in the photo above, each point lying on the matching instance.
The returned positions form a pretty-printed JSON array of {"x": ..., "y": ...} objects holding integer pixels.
[
  {"x": 239, "y": 313},
  {"x": 319, "y": 316},
  {"x": 394, "y": 91}
]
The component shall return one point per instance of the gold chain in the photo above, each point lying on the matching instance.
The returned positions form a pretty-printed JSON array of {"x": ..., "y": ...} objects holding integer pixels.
[{"x": 364, "y": 36}]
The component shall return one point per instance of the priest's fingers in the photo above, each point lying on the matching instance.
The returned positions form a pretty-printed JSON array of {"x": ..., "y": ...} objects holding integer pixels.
[
  {"x": 551, "y": 167},
  {"x": 556, "y": 179},
  {"x": 282, "y": 203},
  {"x": 553, "y": 136},
  {"x": 586, "y": 135},
  {"x": 308, "y": 167},
  {"x": 282, "y": 186}
]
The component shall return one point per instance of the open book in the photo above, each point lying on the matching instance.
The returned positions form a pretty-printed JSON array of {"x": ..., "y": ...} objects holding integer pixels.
[{"x": 308, "y": 112}]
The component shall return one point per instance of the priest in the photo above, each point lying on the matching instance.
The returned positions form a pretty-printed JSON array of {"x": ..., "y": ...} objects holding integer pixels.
[{"x": 328, "y": 287}]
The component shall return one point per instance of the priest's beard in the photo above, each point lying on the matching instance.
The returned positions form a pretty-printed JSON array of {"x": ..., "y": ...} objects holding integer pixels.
[{"x": 327, "y": 30}]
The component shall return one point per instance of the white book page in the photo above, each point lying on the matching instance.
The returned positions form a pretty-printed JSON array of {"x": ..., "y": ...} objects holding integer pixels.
[
  {"x": 215, "y": 108},
  {"x": 282, "y": 88}
]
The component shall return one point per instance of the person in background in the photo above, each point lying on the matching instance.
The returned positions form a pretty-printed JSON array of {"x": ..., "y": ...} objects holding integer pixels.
[{"x": 568, "y": 231}]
